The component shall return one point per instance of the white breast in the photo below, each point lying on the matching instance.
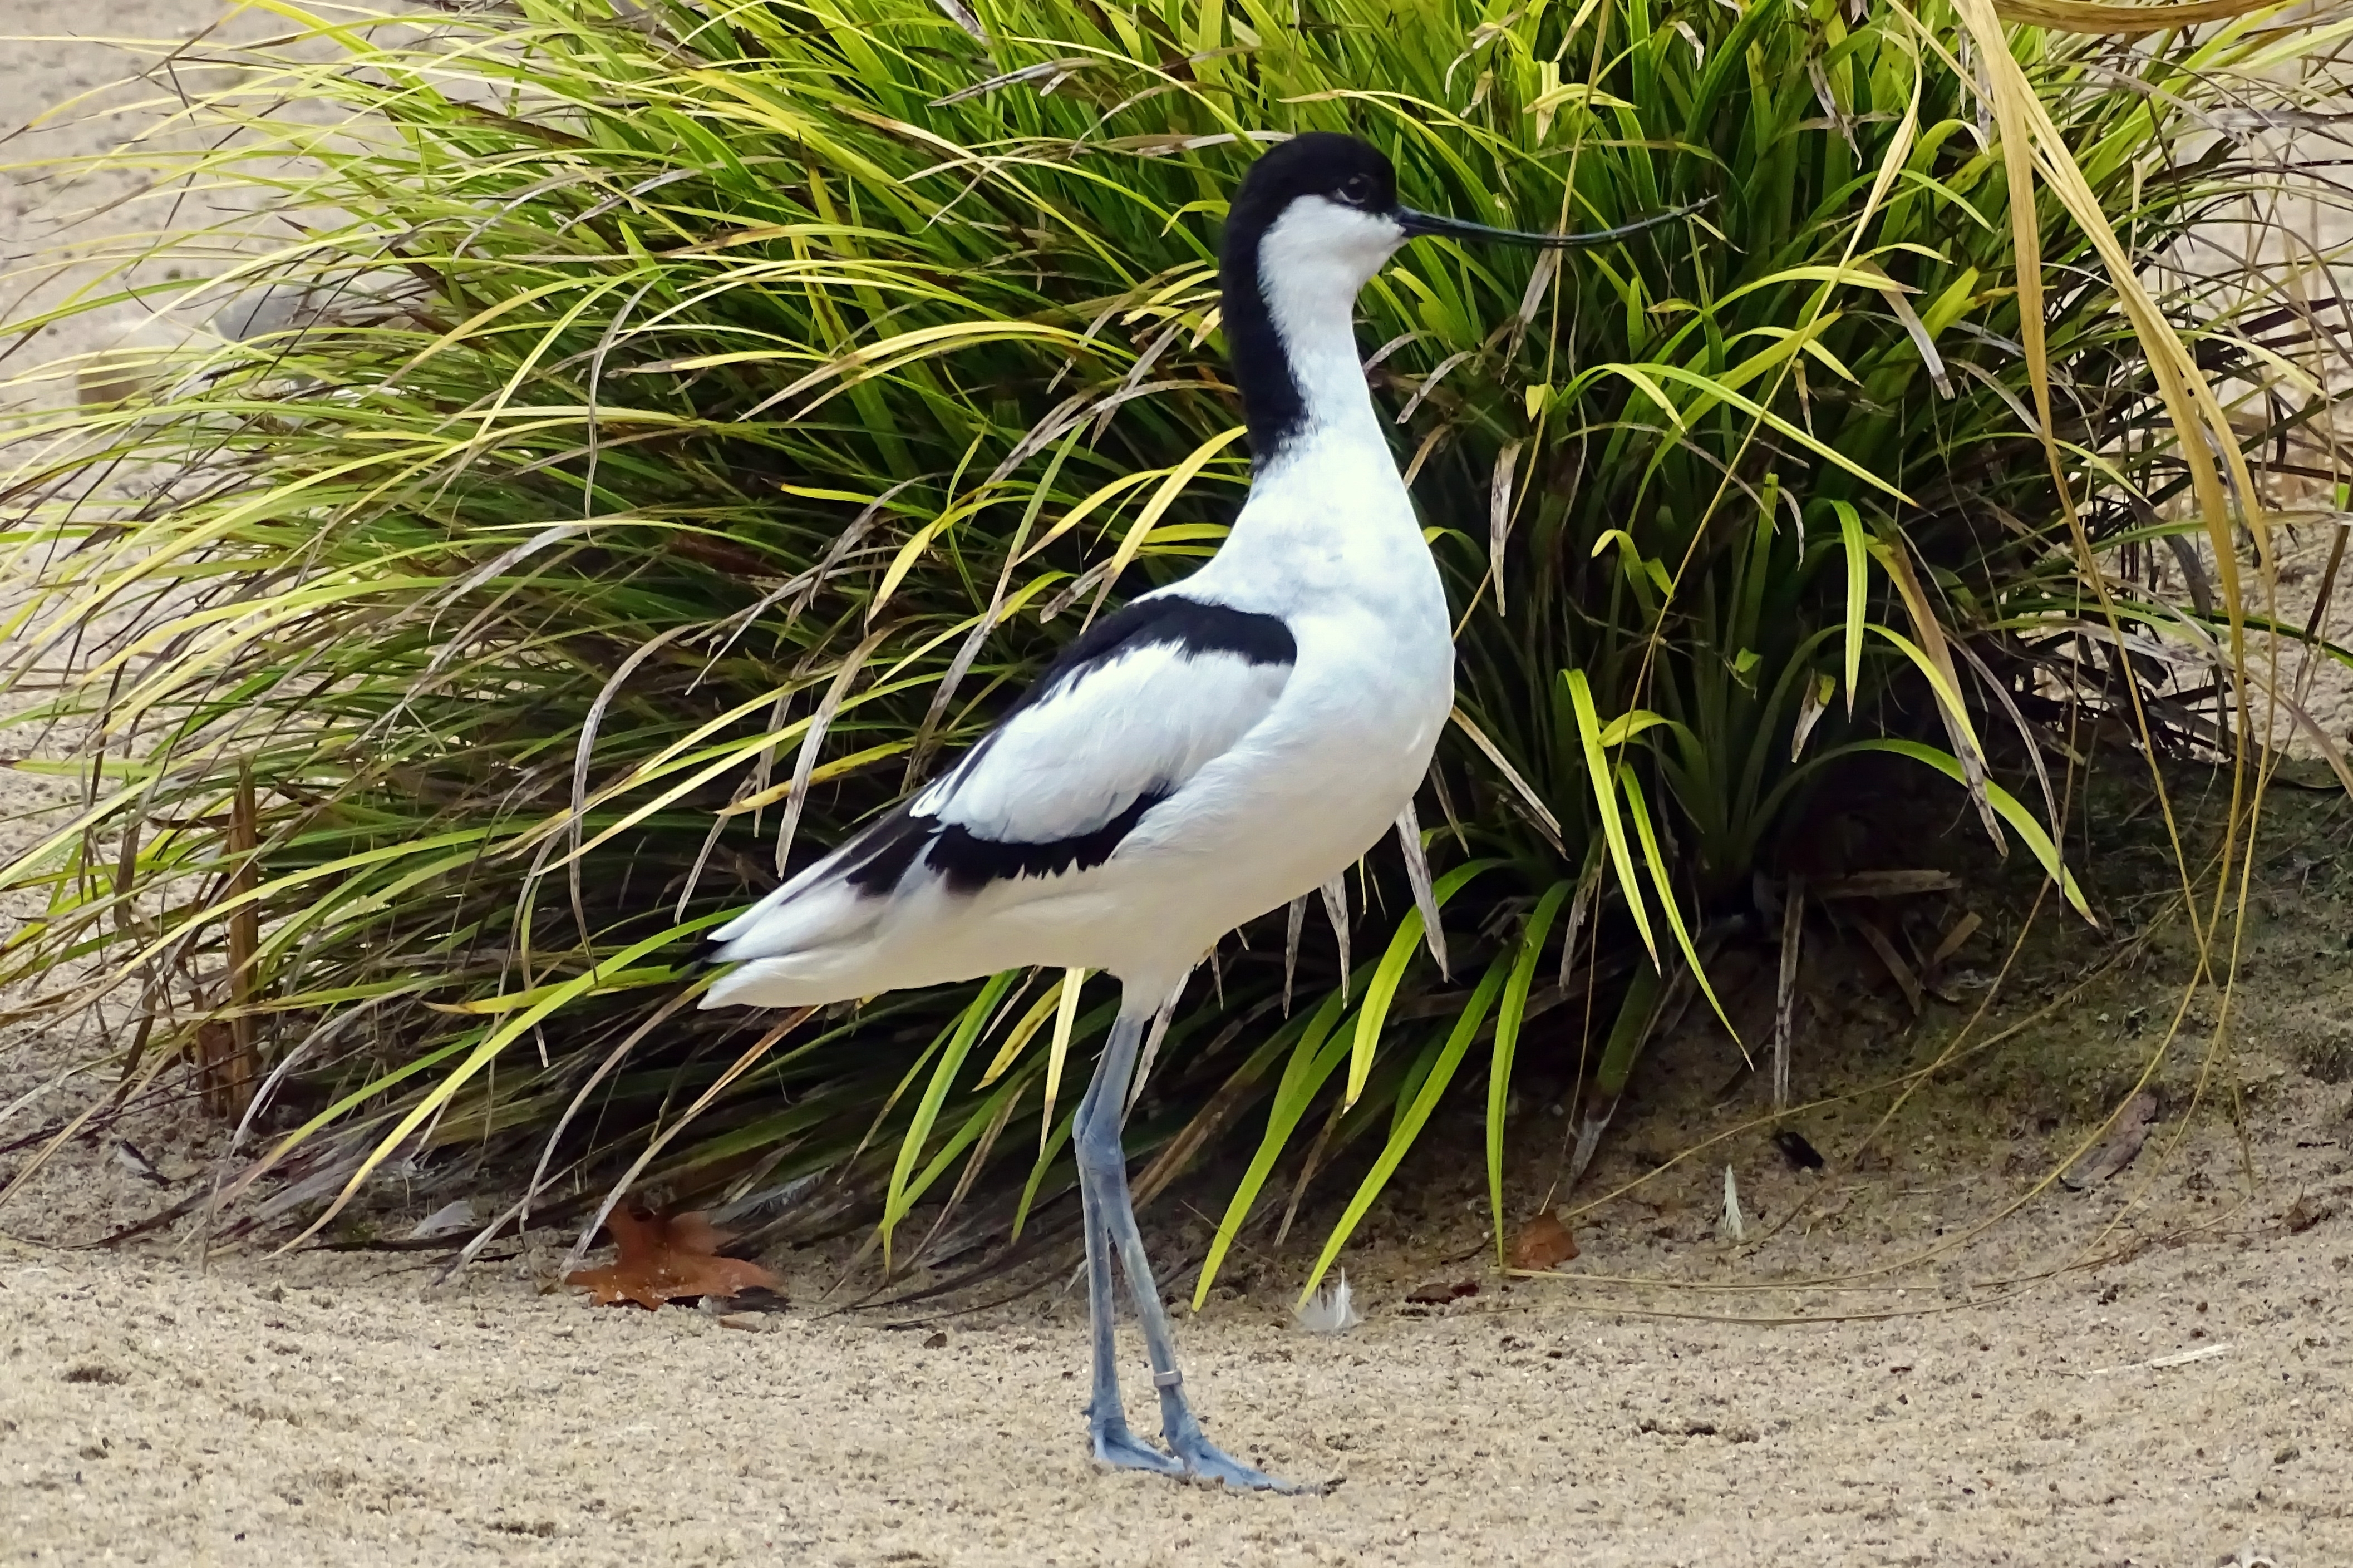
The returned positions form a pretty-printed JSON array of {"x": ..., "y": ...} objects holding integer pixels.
[{"x": 1329, "y": 542}]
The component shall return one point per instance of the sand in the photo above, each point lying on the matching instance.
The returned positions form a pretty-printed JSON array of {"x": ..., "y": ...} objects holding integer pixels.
[{"x": 2187, "y": 1401}]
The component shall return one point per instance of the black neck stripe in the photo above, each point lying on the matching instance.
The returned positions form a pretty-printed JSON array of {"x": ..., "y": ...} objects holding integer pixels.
[{"x": 1273, "y": 406}]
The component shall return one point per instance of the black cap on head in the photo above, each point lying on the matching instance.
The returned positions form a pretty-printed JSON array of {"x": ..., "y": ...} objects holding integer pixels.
[
  {"x": 1341, "y": 169},
  {"x": 1352, "y": 173}
]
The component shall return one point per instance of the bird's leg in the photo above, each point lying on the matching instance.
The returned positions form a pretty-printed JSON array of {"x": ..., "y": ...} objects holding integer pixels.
[
  {"x": 1103, "y": 1175},
  {"x": 1114, "y": 1443}
]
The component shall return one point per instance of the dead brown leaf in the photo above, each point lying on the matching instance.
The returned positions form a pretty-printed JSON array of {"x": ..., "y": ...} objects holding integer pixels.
[
  {"x": 1440, "y": 1292},
  {"x": 2123, "y": 1144},
  {"x": 2306, "y": 1213},
  {"x": 665, "y": 1259},
  {"x": 1544, "y": 1242}
]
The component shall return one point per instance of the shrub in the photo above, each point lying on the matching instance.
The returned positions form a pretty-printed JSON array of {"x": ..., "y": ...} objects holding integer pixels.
[{"x": 689, "y": 426}]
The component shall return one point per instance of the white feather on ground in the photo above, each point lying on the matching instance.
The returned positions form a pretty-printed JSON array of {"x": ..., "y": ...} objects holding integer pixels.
[
  {"x": 1331, "y": 1311},
  {"x": 1731, "y": 1225}
]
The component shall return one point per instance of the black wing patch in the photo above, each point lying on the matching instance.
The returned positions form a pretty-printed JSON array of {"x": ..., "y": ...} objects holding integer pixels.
[
  {"x": 969, "y": 863},
  {"x": 879, "y": 859},
  {"x": 875, "y": 860}
]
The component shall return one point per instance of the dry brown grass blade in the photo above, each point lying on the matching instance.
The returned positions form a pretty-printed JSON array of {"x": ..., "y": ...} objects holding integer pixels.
[
  {"x": 1539, "y": 814},
  {"x": 1307, "y": 1169},
  {"x": 1231, "y": 1098},
  {"x": 1785, "y": 991},
  {"x": 1499, "y": 516},
  {"x": 229, "y": 1081},
  {"x": 2124, "y": 21},
  {"x": 1417, "y": 874},
  {"x": 1900, "y": 971},
  {"x": 1336, "y": 907},
  {"x": 1962, "y": 929},
  {"x": 613, "y": 1058},
  {"x": 1296, "y": 927},
  {"x": 1152, "y": 1041},
  {"x": 1580, "y": 905},
  {"x": 1896, "y": 557},
  {"x": 2322, "y": 741},
  {"x": 2029, "y": 737},
  {"x": 1887, "y": 884},
  {"x": 584, "y": 748},
  {"x": 2030, "y": 143},
  {"x": 972, "y": 1169},
  {"x": 813, "y": 742}
]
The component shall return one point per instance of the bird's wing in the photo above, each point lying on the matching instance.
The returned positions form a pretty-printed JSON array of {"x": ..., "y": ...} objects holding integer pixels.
[{"x": 1129, "y": 712}]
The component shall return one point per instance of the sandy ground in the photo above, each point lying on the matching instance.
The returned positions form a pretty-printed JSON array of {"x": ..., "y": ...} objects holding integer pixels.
[
  {"x": 2185, "y": 1399},
  {"x": 2184, "y": 1402}
]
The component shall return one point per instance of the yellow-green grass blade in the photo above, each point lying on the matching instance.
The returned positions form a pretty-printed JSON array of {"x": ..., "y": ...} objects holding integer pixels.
[
  {"x": 2022, "y": 821},
  {"x": 1508, "y": 1039},
  {"x": 1601, "y": 780},
  {"x": 1390, "y": 969},
  {"x": 1858, "y": 591},
  {"x": 1066, "y": 1017},
  {"x": 1412, "y": 1117},
  {"x": 1661, "y": 877},
  {"x": 1320, "y": 1050}
]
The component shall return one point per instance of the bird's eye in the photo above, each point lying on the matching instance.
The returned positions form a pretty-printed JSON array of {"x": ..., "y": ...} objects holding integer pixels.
[{"x": 1356, "y": 190}]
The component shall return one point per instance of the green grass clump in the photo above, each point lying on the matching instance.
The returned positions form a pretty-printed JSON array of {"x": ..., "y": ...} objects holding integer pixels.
[{"x": 685, "y": 429}]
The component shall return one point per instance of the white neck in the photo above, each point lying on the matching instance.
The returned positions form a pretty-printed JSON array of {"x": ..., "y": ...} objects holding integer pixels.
[
  {"x": 1312, "y": 265},
  {"x": 1315, "y": 316}
]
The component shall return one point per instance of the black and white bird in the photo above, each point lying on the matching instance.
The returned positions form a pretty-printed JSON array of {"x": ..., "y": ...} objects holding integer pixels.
[{"x": 1211, "y": 751}]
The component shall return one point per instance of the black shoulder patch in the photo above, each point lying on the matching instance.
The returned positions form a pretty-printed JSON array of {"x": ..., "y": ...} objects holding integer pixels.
[
  {"x": 1168, "y": 620},
  {"x": 1198, "y": 625}
]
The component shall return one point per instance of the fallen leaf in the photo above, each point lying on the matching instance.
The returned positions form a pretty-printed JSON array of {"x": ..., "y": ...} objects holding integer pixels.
[
  {"x": 2306, "y": 1213},
  {"x": 664, "y": 1258},
  {"x": 1544, "y": 1242},
  {"x": 2113, "y": 1156},
  {"x": 1443, "y": 1291},
  {"x": 1801, "y": 1155}
]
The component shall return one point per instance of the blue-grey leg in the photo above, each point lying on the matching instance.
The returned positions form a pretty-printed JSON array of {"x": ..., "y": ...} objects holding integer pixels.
[
  {"x": 1107, "y": 1428},
  {"x": 1111, "y": 1228}
]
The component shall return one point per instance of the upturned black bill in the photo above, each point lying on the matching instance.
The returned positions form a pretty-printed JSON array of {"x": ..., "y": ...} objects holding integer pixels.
[{"x": 1418, "y": 224}]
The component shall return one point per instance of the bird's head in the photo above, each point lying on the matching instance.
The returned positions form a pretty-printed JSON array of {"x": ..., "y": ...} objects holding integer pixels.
[
  {"x": 1324, "y": 204},
  {"x": 1314, "y": 219}
]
